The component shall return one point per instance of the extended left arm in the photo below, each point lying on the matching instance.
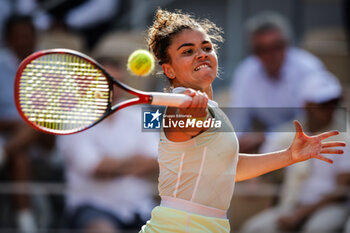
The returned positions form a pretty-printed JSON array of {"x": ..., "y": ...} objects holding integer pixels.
[
  {"x": 302, "y": 148},
  {"x": 253, "y": 165}
]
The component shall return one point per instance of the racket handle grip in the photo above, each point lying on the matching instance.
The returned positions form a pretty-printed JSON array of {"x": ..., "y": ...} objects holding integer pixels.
[{"x": 169, "y": 99}]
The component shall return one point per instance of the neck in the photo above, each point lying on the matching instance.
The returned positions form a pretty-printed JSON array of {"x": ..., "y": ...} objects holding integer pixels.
[
  {"x": 210, "y": 92},
  {"x": 274, "y": 75}
]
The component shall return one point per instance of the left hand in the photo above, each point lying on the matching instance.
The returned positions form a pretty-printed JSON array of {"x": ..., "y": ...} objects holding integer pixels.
[{"x": 305, "y": 147}]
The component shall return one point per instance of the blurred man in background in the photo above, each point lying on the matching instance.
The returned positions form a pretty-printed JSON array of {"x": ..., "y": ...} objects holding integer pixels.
[
  {"x": 346, "y": 16},
  {"x": 314, "y": 193},
  {"x": 15, "y": 136},
  {"x": 5, "y": 11},
  {"x": 110, "y": 169},
  {"x": 270, "y": 77},
  {"x": 91, "y": 18}
]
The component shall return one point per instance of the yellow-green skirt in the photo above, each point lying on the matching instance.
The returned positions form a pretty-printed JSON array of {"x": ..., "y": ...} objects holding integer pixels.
[{"x": 172, "y": 220}]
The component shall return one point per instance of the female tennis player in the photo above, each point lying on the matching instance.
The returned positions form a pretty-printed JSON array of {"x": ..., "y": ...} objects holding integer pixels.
[{"x": 199, "y": 166}]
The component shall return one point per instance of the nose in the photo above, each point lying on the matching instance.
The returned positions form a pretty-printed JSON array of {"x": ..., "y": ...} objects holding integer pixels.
[{"x": 202, "y": 54}]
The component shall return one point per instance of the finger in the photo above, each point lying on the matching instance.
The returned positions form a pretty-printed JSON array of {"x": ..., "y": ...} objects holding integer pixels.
[
  {"x": 203, "y": 101},
  {"x": 205, "y": 94},
  {"x": 195, "y": 103},
  {"x": 333, "y": 144},
  {"x": 195, "y": 109},
  {"x": 201, "y": 107},
  {"x": 332, "y": 151},
  {"x": 205, "y": 106},
  {"x": 187, "y": 103},
  {"x": 200, "y": 99},
  {"x": 192, "y": 108},
  {"x": 320, "y": 157},
  {"x": 298, "y": 128},
  {"x": 198, "y": 109},
  {"x": 189, "y": 92},
  {"x": 325, "y": 135},
  {"x": 203, "y": 111}
]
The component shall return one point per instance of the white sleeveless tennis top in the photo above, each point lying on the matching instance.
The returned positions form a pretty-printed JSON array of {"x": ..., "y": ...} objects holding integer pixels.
[{"x": 201, "y": 170}]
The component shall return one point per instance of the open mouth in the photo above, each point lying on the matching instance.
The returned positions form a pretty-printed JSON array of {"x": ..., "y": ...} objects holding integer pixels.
[{"x": 201, "y": 67}]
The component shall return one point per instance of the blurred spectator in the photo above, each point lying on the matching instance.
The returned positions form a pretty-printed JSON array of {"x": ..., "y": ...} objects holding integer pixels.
[
  {"x": 346, "y": 10},
  {"x": 269, "y": 78},
  {"x": 107, "y": 170},
  {"x": 5, "y": 11},
  {"x": 59, "y": 36},
  {"x": 313, "y": 197},
  {"x": 15, "y": 136},
  {"x": 92, "y": 18}
]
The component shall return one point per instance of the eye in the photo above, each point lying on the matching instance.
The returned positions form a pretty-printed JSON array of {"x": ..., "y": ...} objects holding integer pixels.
[
  {"x": 187, "y": 51},
  {"x": 208, "y": 49}
]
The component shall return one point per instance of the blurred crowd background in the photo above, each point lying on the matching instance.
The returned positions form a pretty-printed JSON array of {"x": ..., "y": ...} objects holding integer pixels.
[{"x": 280, "y": 60}]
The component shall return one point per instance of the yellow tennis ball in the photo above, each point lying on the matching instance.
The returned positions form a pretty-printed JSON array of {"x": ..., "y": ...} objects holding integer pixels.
[{"x": 141, "y": 62}]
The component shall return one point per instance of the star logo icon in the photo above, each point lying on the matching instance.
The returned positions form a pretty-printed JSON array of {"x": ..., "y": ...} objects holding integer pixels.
[{"x": 156, "y": 115}]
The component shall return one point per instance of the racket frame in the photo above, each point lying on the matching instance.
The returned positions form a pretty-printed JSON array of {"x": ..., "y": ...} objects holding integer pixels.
[{"x": 142, "y": 97}]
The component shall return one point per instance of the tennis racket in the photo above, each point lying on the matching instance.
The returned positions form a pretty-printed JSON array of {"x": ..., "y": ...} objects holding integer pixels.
[{"x": 61, "y": 91}]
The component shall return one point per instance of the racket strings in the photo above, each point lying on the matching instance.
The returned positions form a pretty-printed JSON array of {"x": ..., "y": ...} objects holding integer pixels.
[{"x": 63, "y": 92}]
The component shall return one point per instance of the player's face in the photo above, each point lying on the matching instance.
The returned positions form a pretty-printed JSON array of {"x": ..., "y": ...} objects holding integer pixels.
[
  {"x": 193, "y": 61},
  {"x": 269, "y": 47}
]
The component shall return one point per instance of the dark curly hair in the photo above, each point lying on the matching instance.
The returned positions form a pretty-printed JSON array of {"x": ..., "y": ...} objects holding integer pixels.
[{"x": 168, "y": 24}]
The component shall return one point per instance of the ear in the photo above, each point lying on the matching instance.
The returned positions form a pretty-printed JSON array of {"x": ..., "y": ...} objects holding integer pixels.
[{"x": 168, "y": 71}]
